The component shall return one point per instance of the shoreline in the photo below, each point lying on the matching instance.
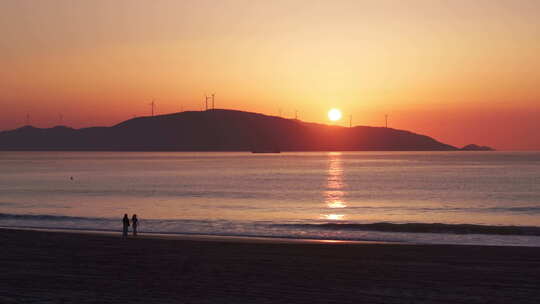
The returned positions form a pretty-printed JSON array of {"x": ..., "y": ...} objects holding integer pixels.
[
  {"x": 57, "y": 267},
  {"x": 203, "y": 237},
  {"x": 278, "y": 239}
]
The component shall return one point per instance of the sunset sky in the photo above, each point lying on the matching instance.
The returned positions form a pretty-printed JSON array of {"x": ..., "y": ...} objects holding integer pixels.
[{"x": 459, "y": 71}]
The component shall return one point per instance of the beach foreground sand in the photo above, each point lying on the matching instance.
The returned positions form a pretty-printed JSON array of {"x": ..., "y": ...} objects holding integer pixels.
[{"x": 55, "y": 267}]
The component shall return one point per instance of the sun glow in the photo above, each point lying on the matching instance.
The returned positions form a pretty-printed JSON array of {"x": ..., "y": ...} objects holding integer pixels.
[{"x": 334, "y": 114}]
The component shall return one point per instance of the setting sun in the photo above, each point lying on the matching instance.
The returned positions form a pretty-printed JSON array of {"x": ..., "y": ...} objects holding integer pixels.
[{"x": 334, "y": 115}]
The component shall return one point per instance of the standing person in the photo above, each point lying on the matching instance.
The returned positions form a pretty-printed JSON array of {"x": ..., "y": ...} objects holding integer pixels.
[
  {"x": 125, "y": 222},
  {"x": 134, "y": 222}
]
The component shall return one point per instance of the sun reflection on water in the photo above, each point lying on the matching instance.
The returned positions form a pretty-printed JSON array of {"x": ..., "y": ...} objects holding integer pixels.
[
  {"x": 336, "y": 205},
  {"x": 333, "y": 217},
  {"x": 334, "y": 195}
]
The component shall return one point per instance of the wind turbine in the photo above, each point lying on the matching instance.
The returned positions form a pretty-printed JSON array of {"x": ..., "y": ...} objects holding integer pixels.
[{"x": 152, "y": 104}]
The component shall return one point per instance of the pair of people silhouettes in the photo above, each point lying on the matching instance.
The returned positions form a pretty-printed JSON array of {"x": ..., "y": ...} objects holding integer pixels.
[{"x": 126, "y": 224}]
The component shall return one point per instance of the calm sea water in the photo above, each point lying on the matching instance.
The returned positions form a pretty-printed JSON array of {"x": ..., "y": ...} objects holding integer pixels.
[{"x": 337, "y": 195}]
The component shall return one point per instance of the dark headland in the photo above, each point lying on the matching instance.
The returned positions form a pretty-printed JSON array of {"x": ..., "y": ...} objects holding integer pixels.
[{"x": 218, "y": 130}]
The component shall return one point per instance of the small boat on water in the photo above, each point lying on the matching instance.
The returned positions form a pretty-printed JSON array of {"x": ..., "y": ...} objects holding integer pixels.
[{"x": 265, "y": 151}]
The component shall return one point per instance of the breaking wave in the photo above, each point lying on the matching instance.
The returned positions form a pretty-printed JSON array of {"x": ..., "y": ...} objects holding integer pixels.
[
  {"x": 213, "y": 226},
  {"x": 425, "y": 228}
]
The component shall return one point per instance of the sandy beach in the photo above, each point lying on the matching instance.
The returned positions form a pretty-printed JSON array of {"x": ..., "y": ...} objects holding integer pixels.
[{"x": 56, "y": 267}]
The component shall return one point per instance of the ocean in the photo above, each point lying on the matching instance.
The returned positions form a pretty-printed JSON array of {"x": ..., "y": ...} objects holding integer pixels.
[{"x": 484, "y": 198}]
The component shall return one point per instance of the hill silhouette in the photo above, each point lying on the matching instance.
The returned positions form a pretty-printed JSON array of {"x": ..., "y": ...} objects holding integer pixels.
[{"x": 217, "y": 130}]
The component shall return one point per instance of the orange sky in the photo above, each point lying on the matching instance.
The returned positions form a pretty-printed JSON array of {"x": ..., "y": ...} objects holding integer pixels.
[{"x": 460, "y": 71}]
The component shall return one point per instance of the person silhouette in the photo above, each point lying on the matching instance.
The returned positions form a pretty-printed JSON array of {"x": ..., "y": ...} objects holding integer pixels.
[
  {"x": 125, "y": 222},
  {"x": 134, "y": 223}
]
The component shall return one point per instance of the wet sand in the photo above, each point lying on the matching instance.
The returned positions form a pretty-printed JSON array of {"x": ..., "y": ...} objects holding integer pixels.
[{"x": 57, "y": 267}]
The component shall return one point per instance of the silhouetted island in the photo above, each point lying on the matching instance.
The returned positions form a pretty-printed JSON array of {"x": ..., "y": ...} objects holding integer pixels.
[
  {"x": 473, "y": 147},
  {"x": 218, "y": 130}
]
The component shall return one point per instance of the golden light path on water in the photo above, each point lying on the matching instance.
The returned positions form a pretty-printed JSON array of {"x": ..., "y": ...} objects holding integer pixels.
[{"x": 334, "y": 195}]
